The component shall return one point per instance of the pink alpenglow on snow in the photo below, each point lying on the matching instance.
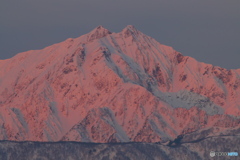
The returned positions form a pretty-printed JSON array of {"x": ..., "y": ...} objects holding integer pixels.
[{"x": 114, "y": 87}]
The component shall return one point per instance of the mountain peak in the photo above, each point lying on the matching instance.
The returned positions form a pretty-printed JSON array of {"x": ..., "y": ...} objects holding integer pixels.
[
  {"x": 130, "y": 30},
  {"x": 100, "y": 27},
  {"x": 131, "y": 27},
  {"x": 98, "y": 32}
]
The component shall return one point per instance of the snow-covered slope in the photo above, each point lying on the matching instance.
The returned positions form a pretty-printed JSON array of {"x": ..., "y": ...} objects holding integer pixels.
[{"x": 113, "y": 87}]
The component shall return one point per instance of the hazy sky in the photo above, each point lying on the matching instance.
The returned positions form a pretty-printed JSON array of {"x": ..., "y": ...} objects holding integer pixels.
[{"x": 208, "y": 30}]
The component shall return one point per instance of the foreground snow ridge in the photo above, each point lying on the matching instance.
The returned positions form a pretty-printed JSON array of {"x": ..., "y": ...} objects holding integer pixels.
[{"x": 114, "y": 87}]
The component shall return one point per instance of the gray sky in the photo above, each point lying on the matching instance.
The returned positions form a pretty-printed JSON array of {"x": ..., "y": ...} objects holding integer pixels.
[{"x": 207, "y": 30}]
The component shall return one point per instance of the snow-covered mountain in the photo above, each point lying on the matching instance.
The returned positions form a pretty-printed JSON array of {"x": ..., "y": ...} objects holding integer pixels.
[{"x": 114, "y": 87}]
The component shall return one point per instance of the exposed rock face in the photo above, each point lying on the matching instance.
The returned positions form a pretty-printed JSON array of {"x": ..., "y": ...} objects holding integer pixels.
[{"x": 113, "y": 87}]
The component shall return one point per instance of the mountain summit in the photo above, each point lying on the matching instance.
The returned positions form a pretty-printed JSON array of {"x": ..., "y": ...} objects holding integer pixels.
[
  {"x": 115, "y": 87},
  {"x": 97, "y": 33}
]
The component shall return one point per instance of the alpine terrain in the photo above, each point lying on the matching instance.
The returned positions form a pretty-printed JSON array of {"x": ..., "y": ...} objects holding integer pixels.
[{"x": 106, "y": 87}]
